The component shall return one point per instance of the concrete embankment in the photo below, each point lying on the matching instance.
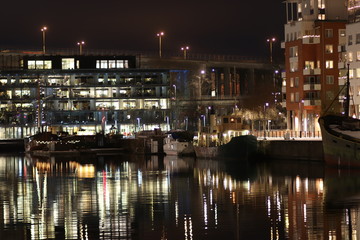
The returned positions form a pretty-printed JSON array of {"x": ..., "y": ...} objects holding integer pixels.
[
  {"x": 310, "y": 150},
  {"x": 12, "y": 145}
]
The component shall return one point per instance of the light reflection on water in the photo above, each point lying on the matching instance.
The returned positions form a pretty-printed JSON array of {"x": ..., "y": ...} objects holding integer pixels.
[{"x": 175, "y": 198}]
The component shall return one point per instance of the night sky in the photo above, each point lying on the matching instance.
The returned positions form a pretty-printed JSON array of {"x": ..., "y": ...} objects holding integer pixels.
[{"x": 238, "y": 27}]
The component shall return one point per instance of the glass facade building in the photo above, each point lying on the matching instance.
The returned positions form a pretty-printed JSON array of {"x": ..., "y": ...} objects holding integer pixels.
[{"x": 82, "y": 94}]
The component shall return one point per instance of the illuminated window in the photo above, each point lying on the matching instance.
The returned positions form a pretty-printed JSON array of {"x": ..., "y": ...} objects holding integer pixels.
[
  {"x": 293, "y": 51},
  {"x": 342, "y": 32},
  {"x": 68, "y": 63},
  {"x": 291, "y": 82},
  {"x": 292, "y": 97},
  {"x": 102, "y": 93},
  {"x": 112, "y": 64},
  {"x": 329, "y": 48},
  {"x": 31, "y": 64},
  {"x": 293, "y": 66},
  {"x": 39, "y": 64},
  {"x": 329, "y": 64},
  {"x": 350, "y": 40},
  {"x": 350, "y": 56},
  {"x": 103, "y": 64},
  {"x": 351, "y": 73},
  {"x": 358, "y": 72},
  {"x": 358, "y": 56},
  {"x": 309, "y": 65}
]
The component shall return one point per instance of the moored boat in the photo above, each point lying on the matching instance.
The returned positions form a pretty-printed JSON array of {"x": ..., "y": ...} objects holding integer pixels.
[
  {"x": 238, "y": 147},
  {"x": 341, "y": 140},
  {"x": 341, "y": 135},
  {"x": 179, "y": 143}
]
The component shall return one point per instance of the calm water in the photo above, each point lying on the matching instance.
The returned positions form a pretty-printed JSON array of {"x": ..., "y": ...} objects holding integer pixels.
[{"x": 175, "y": 198}]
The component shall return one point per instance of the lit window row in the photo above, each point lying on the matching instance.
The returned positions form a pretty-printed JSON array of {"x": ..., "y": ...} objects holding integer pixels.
[
  {"x": 106, "y": 64},
  {"x": 39, "y": 64}
]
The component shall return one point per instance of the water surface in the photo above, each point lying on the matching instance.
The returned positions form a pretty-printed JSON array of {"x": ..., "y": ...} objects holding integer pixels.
[{"x": 136, "y": 197}]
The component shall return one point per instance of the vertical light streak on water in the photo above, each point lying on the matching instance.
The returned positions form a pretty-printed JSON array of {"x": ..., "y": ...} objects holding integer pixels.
[
  {"x": 176, "y": 213},
  {"x": 139, "y": 176},
  {"x": 190, "y": 228},
  {"x": 205, "y": 211},
  {"x": 298, "y": 183},
  {"x": 268, "y": 206},
  {"x": 278, "y": 205},
  {"x": 186, "y": 228},
  {"x": 216, "y": 214},
  {"x": 306, "y": 184}
]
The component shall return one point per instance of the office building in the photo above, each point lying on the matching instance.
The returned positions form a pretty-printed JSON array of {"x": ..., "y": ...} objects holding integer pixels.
[{"x": 83, "y": 95}]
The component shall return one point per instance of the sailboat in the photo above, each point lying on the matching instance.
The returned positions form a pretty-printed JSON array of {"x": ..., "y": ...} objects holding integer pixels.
[{"x": 341, "y": 136}]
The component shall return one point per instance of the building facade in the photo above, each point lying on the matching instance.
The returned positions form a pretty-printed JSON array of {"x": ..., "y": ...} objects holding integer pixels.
[
  {"x": 82, "y": 94},
  {"x": 313, "y": 33},
  {"x": 352, "y": 57}
]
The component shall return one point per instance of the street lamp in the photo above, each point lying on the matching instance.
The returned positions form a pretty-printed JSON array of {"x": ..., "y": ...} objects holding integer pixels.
[
  {"x": 160, "y": 34},
  {"x": 43, "y": 38},
  {"x": 80, "y": 44},
  {"x": 270, "y": 41},
  {"x": 185, "y": 49}
]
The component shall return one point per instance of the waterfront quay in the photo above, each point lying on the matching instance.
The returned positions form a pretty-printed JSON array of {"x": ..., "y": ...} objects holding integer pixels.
[
  {"x": 274, "y": 148},
  {"x": 309, "y": 149}
]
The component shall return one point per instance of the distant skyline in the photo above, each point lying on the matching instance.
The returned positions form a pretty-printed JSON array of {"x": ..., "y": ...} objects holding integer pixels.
[{"x": 214, "y": 27}]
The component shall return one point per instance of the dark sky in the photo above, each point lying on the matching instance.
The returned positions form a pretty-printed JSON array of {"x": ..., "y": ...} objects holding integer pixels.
[{"x": 238, "y": 27}]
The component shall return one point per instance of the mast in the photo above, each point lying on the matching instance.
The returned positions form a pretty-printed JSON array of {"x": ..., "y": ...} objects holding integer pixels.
[{"x": 347, "y": 94}]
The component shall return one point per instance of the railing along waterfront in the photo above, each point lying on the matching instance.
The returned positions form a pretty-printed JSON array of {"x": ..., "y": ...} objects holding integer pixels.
[{"x": 287, "y": 134}]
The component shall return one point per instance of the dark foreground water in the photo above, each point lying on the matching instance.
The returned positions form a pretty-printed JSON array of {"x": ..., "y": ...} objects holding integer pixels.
[{"x": 175, "y": 198}]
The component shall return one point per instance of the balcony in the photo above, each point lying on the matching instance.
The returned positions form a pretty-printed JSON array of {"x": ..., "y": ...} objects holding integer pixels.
[
  {"x": 341, "y": 65},
  {"x": 311, "y": 40},
  {"x": 283, "y": 45},
  {"x": 317, "y": 71},
  {"x": 283, "y": 103},
  {"x": 308, "y": 71},
  {"x": 312, "y": 102},
  {"x": 312, "y": 86}
]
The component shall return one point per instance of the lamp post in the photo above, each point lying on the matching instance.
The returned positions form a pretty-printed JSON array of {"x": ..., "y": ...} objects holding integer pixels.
[
  {"x": 301, "y": 106},
  {"x": 80, "y": 44},
  {"x": 160, "y": 34},
  {"x": 265, "y": 119},
  {"x": 174, "y": 91},
  {"x": 270, "y": 41},
  {"x": 185, "y": 49},
  {"x": 176, "y": 110},
  {"x": 43, "y": 30}
]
